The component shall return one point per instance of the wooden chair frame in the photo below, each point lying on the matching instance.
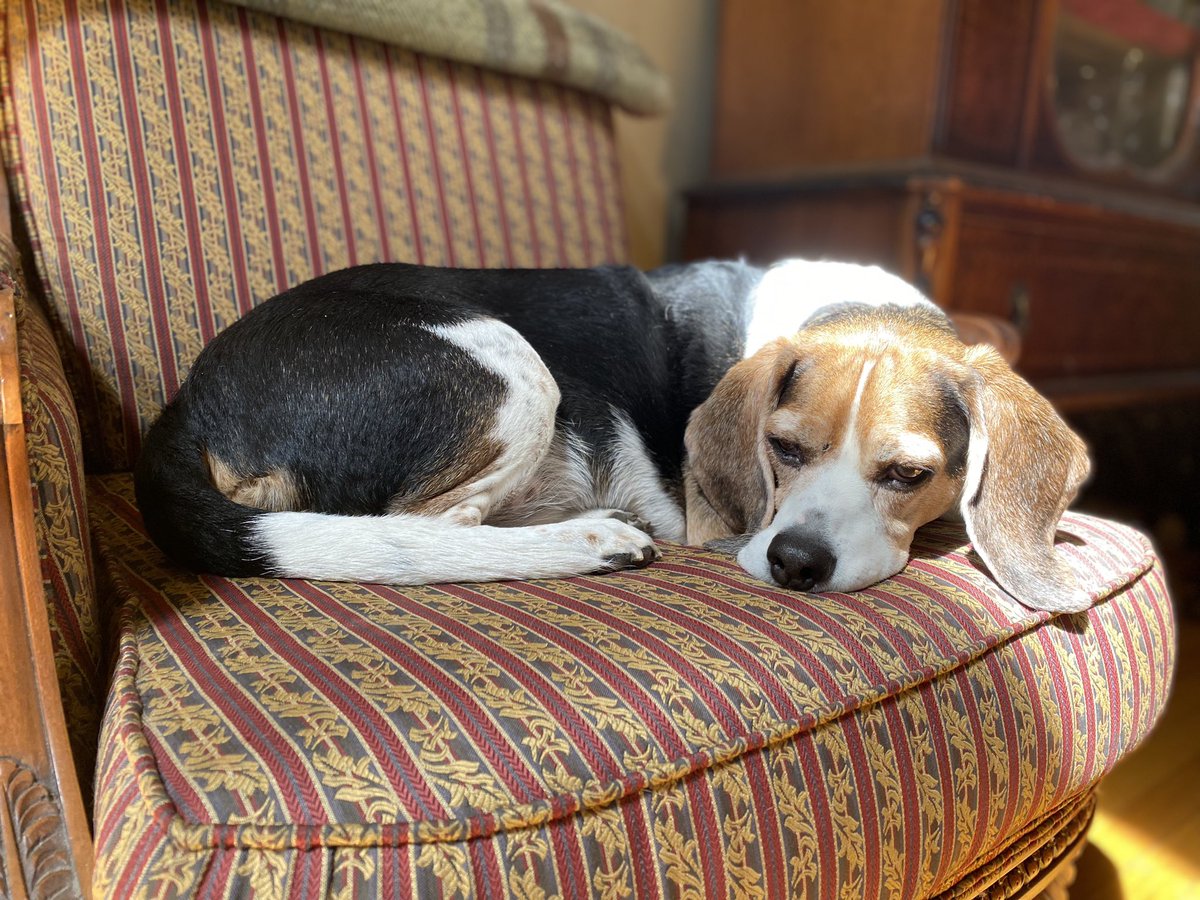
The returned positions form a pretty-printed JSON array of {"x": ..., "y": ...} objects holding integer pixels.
[{"x": 45, "y": 838}]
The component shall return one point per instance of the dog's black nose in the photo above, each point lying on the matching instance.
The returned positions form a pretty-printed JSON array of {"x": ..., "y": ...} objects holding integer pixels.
[{"x": 799, "y": 560}]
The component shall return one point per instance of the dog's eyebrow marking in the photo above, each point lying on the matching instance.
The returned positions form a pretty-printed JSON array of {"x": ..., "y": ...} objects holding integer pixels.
[
  {"x": 915, "y": 446},
  {"x": 786, "y": 384}
]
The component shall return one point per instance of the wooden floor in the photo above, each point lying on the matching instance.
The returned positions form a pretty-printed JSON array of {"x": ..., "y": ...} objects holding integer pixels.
[{"x": 1145, "y": 841}]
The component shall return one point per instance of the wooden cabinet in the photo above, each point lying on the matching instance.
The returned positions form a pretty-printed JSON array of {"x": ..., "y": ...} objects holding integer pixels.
[
  {"x": 1098, "y": 90},
  {"x": 1092, "y": 291},
  {"x": 1036, "y": 161}
]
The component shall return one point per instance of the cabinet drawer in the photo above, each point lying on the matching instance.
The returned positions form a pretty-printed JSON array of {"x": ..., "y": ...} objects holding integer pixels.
[{"x": 1093, "y": 291}]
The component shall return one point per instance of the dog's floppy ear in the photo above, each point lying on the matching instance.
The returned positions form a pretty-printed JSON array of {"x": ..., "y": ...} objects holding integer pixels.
[
  {"x": 730, "y": 484},
  {"x": 1024, "y": 467}
]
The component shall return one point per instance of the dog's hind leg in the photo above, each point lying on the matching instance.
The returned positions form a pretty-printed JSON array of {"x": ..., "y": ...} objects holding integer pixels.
[
  {"x": 439, "y": 536},
  {"x": 521, "y": 432}
]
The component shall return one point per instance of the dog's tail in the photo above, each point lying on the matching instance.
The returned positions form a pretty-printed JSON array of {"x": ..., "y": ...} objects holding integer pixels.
[
  {"x": 187, "y": 517},
  {"x": 201, "y": 529}
]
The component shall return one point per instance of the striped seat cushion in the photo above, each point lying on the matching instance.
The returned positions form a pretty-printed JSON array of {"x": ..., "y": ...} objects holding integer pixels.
[
  {"x": 178, "y": 162},
  {"x": 671, "y": 731}
]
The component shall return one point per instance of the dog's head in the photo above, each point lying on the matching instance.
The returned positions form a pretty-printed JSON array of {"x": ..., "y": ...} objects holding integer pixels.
[{"x": 833, "y": 446}]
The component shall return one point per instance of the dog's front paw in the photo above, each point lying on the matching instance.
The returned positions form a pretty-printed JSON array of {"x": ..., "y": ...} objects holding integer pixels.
[
  {"x": 615, "y": 544},
  {"x": 639, "y": 559}
]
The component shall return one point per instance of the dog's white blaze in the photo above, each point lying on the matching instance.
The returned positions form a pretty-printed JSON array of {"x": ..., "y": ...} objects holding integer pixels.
[
  {"x": 852, "y": 424},
  {"x": 634, "y": 484},
  {"x": 406, "y": 549},
  {"x": 837, "y": 503},
  {"x": 524, "y": 424},
  {"x": 793, "y": 292}
]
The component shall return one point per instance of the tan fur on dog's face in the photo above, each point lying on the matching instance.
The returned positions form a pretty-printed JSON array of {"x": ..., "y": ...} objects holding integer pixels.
[
  {"x": 859, "y": 431},
  {"x": 863, "y": 436}
]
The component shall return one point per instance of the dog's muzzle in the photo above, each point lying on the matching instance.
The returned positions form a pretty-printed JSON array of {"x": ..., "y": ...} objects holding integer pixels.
[{"x": 800, "y": 559}]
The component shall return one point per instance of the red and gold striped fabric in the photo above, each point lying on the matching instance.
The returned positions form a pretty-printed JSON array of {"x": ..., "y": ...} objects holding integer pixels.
[
  {"x": 675, "y": 731},
  {"x": 60, "y": 520},
  {"x": 180, "y": 160}
]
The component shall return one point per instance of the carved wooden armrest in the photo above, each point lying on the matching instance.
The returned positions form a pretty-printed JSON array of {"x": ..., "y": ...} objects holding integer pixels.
[{"x": 45, "y": 842}]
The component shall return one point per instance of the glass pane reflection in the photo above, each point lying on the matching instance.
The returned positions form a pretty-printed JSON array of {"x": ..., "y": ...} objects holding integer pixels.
[{"x": 1122, "y": 79}]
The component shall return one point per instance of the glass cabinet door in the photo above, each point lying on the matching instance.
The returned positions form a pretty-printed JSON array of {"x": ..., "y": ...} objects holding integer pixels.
[{"x": 1124, "y": 83}]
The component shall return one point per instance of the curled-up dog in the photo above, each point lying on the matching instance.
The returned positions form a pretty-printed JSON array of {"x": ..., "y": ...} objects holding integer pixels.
[{"x": 407, "y": 425}]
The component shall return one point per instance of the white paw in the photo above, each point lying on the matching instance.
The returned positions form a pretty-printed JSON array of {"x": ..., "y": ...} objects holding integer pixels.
[{"x": 608, "y": 544}]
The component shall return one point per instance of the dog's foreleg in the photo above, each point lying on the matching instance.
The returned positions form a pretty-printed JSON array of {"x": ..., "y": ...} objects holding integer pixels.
[{"x": 406, "y": 549}]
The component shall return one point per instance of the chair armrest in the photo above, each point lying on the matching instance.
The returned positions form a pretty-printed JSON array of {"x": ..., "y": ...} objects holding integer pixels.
[
  {"x": 45, "y": 843},
  {"x": 54, "y": 454}
]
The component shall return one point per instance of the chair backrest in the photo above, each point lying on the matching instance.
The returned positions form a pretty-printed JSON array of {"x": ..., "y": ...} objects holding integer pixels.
[{"x": 178, "y": 161}]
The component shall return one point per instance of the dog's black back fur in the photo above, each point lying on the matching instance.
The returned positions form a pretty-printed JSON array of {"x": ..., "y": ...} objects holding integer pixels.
[{"x": 334, "y": 382}]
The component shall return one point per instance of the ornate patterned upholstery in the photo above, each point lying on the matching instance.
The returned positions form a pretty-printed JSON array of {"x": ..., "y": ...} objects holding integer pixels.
[
  {"x": 676, "y": 730},
  {"x": 243, "y": 154},
  {"x": 278, "y": 152},
  {"x": 60, "y": 521},
  {"x": 654, "y": 733}
]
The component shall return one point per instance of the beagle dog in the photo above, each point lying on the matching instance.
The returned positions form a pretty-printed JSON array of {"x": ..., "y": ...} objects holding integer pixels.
[{"x": 405, "y": 424}]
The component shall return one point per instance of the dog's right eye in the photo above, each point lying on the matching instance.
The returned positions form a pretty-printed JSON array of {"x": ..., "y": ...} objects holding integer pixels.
[{"x": 789, "y": 454}]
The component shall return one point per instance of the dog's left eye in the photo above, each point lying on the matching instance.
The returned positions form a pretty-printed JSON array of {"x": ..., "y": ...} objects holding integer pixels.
[
  {"x": 789, "y": 454},
  {"x": 903, "y": 476}
]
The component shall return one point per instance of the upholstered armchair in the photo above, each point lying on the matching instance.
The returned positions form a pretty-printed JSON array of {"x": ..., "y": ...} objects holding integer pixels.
[{"x": 681, "y": 730}]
